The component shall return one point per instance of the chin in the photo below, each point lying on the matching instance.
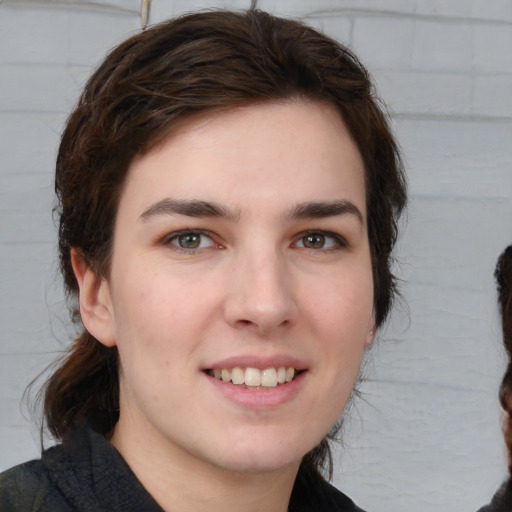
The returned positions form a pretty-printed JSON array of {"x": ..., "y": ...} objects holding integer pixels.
[
  {"x": 260, "y": 465},
  {"x": 258, "y": 458}
]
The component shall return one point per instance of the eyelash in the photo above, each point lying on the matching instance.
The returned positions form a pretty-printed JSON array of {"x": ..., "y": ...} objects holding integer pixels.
[
  {"x": 338, "y": 241},
  {"x": 167, "y": 240}
]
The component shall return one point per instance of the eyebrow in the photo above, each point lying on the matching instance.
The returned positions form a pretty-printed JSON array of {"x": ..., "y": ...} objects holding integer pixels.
[
  {"x": 190, "y": 208},
  {"x": 196, "y": 208},
  {"x": 323, "y": 209}
]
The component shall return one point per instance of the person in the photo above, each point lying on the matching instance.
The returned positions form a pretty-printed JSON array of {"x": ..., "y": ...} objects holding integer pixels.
[
  {"x": 502, "y": 500},
  {"x": 229, "y": 191}
]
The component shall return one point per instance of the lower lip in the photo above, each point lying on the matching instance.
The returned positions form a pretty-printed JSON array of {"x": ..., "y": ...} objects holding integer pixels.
[{"x": 262, "y": 398}]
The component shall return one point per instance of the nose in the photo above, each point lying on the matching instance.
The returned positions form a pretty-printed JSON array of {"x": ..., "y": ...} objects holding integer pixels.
[{"x": 260, "y": 293}]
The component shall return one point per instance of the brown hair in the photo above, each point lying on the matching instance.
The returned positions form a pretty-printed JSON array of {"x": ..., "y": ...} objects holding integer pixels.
[
  {"x": 206, "y": 61},
  {"x": 503, "y": 275}
]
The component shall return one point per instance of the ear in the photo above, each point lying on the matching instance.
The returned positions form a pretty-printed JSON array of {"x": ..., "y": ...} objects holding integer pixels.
[
  {"x": 94, "y": 300},
  {"x": 371, "y": 331}
]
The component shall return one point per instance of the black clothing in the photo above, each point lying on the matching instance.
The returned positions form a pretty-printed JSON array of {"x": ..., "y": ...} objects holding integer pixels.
[
  {"x": 502, "y": 500},
  {"x": 87, "y": 474}
]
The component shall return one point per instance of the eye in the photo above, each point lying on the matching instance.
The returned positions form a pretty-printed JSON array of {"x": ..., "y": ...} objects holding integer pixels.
[
  {"x": 190, "y": 240},
  {"x": 314, "y": 241},
  {"x": 319, "y": 240}
]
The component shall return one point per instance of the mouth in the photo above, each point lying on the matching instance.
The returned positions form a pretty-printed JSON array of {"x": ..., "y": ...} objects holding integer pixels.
[{"x": 254, "y": 378}]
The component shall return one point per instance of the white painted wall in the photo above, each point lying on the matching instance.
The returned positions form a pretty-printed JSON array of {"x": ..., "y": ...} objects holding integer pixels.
[{"x": 426, "y": 436}]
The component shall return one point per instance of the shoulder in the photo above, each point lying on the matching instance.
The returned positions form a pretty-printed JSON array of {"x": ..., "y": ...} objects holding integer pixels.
[
  {"x": 84, "y": 472},
  {"x": 311, "y": 493},
  {"x": 36, "y": 485},
  {"x": 24, "y": 487},
  {"x": 340, "y": 501},
  {"x": 502, "y": 500}
]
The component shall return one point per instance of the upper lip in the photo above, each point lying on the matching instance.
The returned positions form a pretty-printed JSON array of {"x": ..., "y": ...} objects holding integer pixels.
[{"x": 252, "y": 361}]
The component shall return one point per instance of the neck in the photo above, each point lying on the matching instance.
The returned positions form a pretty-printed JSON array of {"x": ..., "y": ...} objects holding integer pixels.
[{"x": 180, "y": 481}]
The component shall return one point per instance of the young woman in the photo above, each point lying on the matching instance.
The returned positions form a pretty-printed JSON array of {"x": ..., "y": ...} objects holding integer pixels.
[
  {"x": 502, "y": 501},
  {"x": 229, "y": 191}
]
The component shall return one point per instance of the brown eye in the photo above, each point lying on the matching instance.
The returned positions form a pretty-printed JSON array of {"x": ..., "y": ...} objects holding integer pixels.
[{"x": 314, "y": 241}]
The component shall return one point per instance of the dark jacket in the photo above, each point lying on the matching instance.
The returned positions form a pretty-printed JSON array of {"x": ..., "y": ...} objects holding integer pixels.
[
  {"x": 86, "y": 473},
  {"x": 502, "y": 500}
]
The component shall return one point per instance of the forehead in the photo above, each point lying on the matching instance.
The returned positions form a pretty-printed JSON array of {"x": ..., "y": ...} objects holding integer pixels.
[{"x": 295, "y": 150}]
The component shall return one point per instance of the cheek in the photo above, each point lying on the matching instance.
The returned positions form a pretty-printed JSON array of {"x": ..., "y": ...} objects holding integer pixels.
[
  {"x": 342, "y": 317},
  {"x": 156, "y": 312},
  {"x": 345, "y": 305}
]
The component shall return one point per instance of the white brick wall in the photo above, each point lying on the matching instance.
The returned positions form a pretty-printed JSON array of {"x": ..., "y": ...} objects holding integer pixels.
[{"x": 426, "y": 436}]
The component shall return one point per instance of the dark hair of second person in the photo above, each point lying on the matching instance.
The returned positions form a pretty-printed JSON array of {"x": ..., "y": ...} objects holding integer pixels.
[
  {"x": 502, "y": 500},
  {"x": 503, "y": 277}
]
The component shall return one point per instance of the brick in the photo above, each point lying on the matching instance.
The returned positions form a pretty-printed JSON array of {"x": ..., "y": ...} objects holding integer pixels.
[
  {"x": 37, "y": 88},
  {"x": 38, "y": 156},
  {"x": 93, "y": 34},
  {"x": 444, "y": 326},
  {"x": 51, "y": 36},
  {"x": 26, "y": 192},
  {"x": 492, "y": 96},
  {"x": 337, "y": 27},
  {"x": 492, "y": 10},
  {"x": 493, "y": 48},
  {"x": 33, "y": 312},
  {"x": 497, "y": 10},
  {"x": 79, "y": 76},
  {"x": 19, "y": 440},
  {"x": 24, "y": 225},
  {"x": 163, "y": 9},
  {"x": 442, "y": 46},
  {"x": 30, "y": 331},
  {"x": 337, "y": 7},
  {"x": 125, "y": 5},
  {"x": 445, "y": 241},
  {"x": 433, "y": 416},
  {"x": 31, "y": 35},
  {"x": 411, "y": 92},
  {"x": 441, "y": 8},
  {"x": 25, "y": 267},
  {"x": 384, "y": 43},
  {"x": 454, "y": 158},
  {"x": 13, "y": 380}
]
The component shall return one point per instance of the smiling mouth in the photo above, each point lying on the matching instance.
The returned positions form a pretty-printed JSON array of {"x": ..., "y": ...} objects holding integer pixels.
[{"x": 254, "y": 378}]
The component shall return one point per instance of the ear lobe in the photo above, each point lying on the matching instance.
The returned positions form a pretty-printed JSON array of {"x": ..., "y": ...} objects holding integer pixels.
[{"x": 94, "y": 300}]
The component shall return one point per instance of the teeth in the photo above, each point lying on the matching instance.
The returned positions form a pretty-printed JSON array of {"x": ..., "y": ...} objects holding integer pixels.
[
  {"x": 254, "y": 378},
  {"x": 269, "y": 378},
  {"x": 237, "y": 376}
]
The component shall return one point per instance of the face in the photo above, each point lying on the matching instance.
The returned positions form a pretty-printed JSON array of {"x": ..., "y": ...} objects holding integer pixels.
[{"x": 240, "y": 294}]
